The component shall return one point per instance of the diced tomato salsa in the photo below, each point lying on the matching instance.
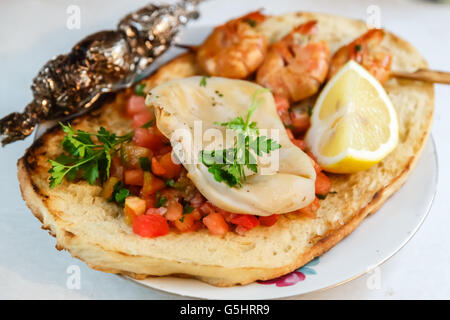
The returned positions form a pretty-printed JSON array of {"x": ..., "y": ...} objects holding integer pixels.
[{"x": 163, "y": 198}]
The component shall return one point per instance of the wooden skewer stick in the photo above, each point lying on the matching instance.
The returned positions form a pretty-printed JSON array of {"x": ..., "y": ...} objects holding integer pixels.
[{"x": 424, "y": 75}]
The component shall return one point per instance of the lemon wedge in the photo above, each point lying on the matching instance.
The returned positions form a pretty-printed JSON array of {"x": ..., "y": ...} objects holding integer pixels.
[{"x": 353, "y": 124}]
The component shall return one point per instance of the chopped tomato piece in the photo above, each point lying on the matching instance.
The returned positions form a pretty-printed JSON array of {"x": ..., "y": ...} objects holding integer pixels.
[
  {"x": 161, "y": 211},
  {"x": 150, "y": 225},
  {"x": 164, "y": 150},
  {"x": 197, "y": 201},
  {"x": 150, "y": 199},
  {"x": 174, "y": 211},
  {"x": 135, "y": 204},
  {"x": 228, "y": 216},
  {"x": 185, "y": 223},
  {"x": 148, "y": 138},
  {"x": 134, "y": 177},
  {"x": 142, "y": 118},
  {"x": 108, "y": 187},
  {"x": 157, "y": 168},
  {"x": 323, "y": 183},
  {"x": 310, "y": 210},
  {"x": 172, "y": 169},
  {"x": 135, "y": 105},
  {"x": 205, "y": 208},
  {"x": 216, "y": 223},
  {"x": 151, "y": 184},
  {"x": 208, "y": 207},
  {"x": 245, "y": 220},
  {"x": 196, "y": 214},
  {"x": 198, "y": 224},
  {"x": 171, "y": 194},
  {"x": 134, "y": 190},
  {"x": 269, "y": 220},
  {"x": 134, "y": 207}
]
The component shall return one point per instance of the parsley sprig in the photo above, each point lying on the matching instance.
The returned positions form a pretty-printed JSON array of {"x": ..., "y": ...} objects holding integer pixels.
[
  {"x": 83, "y": 155},
  {"x": 140, "y": 89},
  {"x": 203, "y": 82},
  {"x": 119, "y": 193},
  {"x": 160, "y": 200},
  {"x": 228, "y": 165}
]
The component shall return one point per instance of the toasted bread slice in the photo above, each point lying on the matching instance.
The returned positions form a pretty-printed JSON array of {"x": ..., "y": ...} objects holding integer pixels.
[{"x": 92, "y": 229}]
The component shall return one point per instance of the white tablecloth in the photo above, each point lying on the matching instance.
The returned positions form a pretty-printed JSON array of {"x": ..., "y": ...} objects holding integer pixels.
[{"x": 33, "y": 31}]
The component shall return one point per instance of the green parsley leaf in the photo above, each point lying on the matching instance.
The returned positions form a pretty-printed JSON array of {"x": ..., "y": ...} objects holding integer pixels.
[
  {"x": 57, "y": 173},
  {"x": 358, "y": 47},
  {"x": 65, "y": 159},
  {"x": 91, "y": 159},
  {"x": 119, "y": 193},
  {"x": 160, "y": 201},
  {"x": 170, "y": 183},
  {"x": 148, "y": 124},
  {"x": 91, "y": 172},
  {"x": 310, "y": 108},
  {"x": 203, "y": 82},
  {"x": 235, "y": 124},
  {"x": 254, "y": 104},
  {"x": 139, "y": 89},
  {"x": 228, "y": 165},
  {"x": 187, "y": 209},
  {"x": 145, "y": 164}
]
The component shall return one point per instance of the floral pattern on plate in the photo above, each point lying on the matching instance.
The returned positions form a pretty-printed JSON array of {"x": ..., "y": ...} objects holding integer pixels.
[{"x": 296, "y": 276}]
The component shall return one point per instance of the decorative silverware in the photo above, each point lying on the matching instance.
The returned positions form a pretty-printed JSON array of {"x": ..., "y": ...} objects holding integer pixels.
[{"x": 103, "y": 62}]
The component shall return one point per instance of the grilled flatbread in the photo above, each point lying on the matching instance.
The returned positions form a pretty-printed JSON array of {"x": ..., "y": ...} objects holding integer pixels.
[{"x": 92, "y": 229}]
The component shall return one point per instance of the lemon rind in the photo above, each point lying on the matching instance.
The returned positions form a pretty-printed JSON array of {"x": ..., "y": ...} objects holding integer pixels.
[{"x": 357, "y": 155}]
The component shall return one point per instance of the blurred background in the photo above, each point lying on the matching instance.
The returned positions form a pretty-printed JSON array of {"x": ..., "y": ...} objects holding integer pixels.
[{"x": 32, "y": 31}]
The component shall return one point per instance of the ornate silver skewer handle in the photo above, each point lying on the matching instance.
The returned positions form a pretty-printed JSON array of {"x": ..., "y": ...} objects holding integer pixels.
[{"x": 103, "y": 62}]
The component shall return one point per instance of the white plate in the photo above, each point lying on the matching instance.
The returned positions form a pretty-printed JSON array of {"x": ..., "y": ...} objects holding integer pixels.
[{"x": 377, "y": 239}]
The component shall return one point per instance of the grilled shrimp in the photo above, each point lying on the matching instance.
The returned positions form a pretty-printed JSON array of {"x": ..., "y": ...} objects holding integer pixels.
[
  {"x": 296, "y": 66},
  {"x": 234, "y": 49},
  {"x": 365, "y": 50}
]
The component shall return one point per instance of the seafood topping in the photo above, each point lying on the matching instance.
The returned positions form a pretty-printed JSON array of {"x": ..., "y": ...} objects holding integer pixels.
[
  {"x": 235, "y": 49},
  {"x": 297, "y": 65},
  {"x": 366, "y": 51}
]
